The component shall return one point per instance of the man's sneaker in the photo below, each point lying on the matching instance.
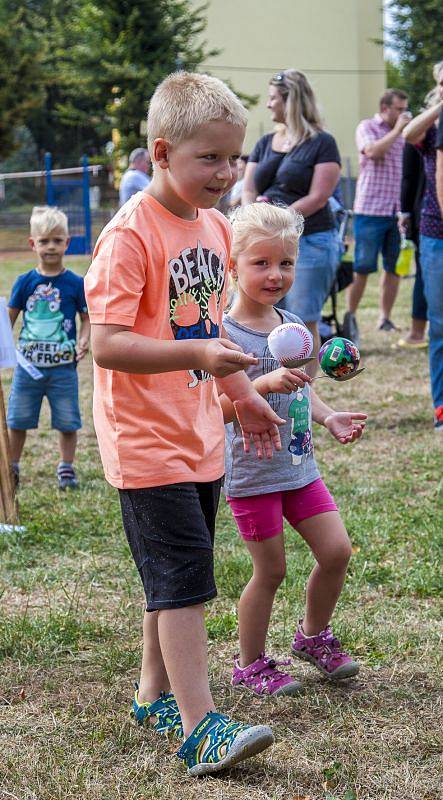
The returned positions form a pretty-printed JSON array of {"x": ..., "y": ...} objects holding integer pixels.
[
  {"x": 67, "y": 479},
  {"x": 263, "y": 678},
  {"x": 164, "y": 710},
  {"x": 350, "y": 328},
  {"x": 324, "y": 651},
  {"x": 387, "y": 325},
  {"x": 218, "y": 742},
  {"x": 438, "y": 419}
]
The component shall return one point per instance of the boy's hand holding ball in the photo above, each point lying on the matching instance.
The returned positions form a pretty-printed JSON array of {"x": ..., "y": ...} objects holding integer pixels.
[{"x": 221, "y": 357}]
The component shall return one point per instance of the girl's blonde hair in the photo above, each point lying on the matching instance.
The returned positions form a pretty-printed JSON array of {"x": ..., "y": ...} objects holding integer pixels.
[
  {"x": 259, "y": 221},
  {"x": 302, "y": 115},
  {"x": 433, "y": 97}
]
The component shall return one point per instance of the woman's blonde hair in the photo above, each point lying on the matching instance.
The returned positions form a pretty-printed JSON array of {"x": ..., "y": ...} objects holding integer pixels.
[
  {"x": 258, "y": 221},
  {"x": 433, "y": 97},
  {"x": 302, "y": 115}
]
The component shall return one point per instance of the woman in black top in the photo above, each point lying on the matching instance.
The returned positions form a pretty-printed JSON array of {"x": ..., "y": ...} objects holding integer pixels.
[{"x": 299, "y": 165}]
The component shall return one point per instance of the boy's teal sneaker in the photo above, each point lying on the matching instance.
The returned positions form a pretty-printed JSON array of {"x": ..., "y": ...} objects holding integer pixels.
[
  {"x": 165, "y": 710},
  {"x": 218, "y": 742}
]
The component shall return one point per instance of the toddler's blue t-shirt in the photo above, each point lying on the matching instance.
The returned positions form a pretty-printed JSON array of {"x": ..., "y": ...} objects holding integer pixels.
[{"x": 49, "y": 306}]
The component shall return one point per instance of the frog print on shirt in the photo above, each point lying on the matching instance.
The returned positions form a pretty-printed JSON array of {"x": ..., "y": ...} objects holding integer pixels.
[{"x": 43, "y": 339}]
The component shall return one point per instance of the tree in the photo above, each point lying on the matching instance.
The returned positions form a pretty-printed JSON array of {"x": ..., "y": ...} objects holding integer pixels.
[
  {"x": 394, "y": 78},
  {"x": 417, "y": 35},
  {"x": 104, "y": 60},
  {"x": 22, "y": 51},
  {"x": 23, "y": 157},
  {"x": 67, "y": 136}
]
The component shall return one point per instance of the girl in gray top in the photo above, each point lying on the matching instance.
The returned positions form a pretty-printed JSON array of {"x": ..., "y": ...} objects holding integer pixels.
[{"x": 260, "y": 494}]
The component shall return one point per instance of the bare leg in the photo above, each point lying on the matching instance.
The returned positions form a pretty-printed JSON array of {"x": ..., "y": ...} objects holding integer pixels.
[
  {"x": 182, "y": 637},
  {"x": 389, "y": 285},
  {"x": 312, "y": 366},
  {"x": 153, "y": 675},
  {"x": 327, "y": 537},
  {"x": 356, "y": 291},
  {"x": 67, "y": 444},
  {"x": 255, "y": 605},
  {"x": 417, "y": 332},
  {"x": 16, "y": 440}
]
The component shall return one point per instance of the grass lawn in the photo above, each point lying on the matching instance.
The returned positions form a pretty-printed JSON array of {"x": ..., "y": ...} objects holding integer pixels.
[{"x": 71, "y": 610}]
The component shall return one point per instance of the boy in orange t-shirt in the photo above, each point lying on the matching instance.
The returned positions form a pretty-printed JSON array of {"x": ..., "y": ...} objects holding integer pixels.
[{"x": 155, "y": 292}]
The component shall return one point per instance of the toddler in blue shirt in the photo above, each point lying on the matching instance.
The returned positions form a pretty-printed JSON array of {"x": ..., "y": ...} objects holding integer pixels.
[{"x": 49, "y": 297}]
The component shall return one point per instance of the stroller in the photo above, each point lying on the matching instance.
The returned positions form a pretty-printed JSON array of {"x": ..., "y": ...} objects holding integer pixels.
[{"x": 330, "y": 325}]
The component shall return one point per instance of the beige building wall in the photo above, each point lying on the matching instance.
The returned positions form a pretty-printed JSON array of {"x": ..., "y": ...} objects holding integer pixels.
[{"x": 330, "y": 40}]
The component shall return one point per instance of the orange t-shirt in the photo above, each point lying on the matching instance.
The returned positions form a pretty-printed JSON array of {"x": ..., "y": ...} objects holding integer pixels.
[{"x": 164, "y": 277}]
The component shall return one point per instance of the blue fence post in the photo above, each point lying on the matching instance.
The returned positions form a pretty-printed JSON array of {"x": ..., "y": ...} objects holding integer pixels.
[
  {"x": 50, "y": 200},
  {"x": 86, "y": 204}
]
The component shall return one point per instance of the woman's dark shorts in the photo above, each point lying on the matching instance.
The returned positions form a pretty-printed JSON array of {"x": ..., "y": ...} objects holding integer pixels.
[{"x": 170, "y": 530}]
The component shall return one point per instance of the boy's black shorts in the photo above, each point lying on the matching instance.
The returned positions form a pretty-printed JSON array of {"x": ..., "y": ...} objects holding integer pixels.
[{"x": 170, "y": 530}]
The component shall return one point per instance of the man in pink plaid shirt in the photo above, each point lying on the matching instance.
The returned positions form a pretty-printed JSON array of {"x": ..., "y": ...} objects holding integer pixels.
[{"x": 377, "y": 202}]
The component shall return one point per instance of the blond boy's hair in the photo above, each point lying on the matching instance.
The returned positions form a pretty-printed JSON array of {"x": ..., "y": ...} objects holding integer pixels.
[
  {"x": 186, "y": 100},
  {"x": 45, "y": 219},
  {"x": 259, "y": 221}
]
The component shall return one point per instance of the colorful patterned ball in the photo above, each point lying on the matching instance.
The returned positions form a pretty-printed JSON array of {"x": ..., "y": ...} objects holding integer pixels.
[{"x": 339, "y": 357}]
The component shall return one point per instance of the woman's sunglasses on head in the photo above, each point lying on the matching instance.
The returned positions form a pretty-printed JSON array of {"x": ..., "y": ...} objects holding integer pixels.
[{"x": 279, "y": 79}]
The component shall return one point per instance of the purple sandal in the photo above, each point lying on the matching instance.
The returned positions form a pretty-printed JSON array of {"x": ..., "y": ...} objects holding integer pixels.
[
  {"x": 263, "y": 678},
  {"x": 325, "y": 652}
]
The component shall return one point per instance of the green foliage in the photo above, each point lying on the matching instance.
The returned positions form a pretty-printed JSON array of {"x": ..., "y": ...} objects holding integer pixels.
[
  {"x": 78, "y": 69},
  {"x": 23, "y": 157},
  {"x": 417, "y": 34},
  {"x": 394, "y": 78},
  {"x": 103, "y": 62},
  {"x": 22, "y": 51}
]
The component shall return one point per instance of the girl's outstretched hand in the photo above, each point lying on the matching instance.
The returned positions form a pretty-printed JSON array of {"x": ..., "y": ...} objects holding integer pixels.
[
  {"x": 342, "y": 426},
  {"x": 259, "y": 421}
]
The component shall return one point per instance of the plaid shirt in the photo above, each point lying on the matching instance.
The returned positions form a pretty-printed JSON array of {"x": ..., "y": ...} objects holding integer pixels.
[{"x": 378, "y": 185}]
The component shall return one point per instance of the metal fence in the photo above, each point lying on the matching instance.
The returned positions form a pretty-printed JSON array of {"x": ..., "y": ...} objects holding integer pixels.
[{"x": 20, "y": 195}]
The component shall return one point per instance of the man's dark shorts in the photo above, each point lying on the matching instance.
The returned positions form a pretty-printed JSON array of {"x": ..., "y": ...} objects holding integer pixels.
[{"x": 170, "y": 530}]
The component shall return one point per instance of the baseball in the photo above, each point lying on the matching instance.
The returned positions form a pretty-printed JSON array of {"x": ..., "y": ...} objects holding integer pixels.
[{"x": 290, "y": 342}]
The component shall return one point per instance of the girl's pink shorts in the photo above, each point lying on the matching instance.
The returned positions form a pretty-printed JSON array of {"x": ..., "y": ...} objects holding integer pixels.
[{"x": 260, "y": 516}]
